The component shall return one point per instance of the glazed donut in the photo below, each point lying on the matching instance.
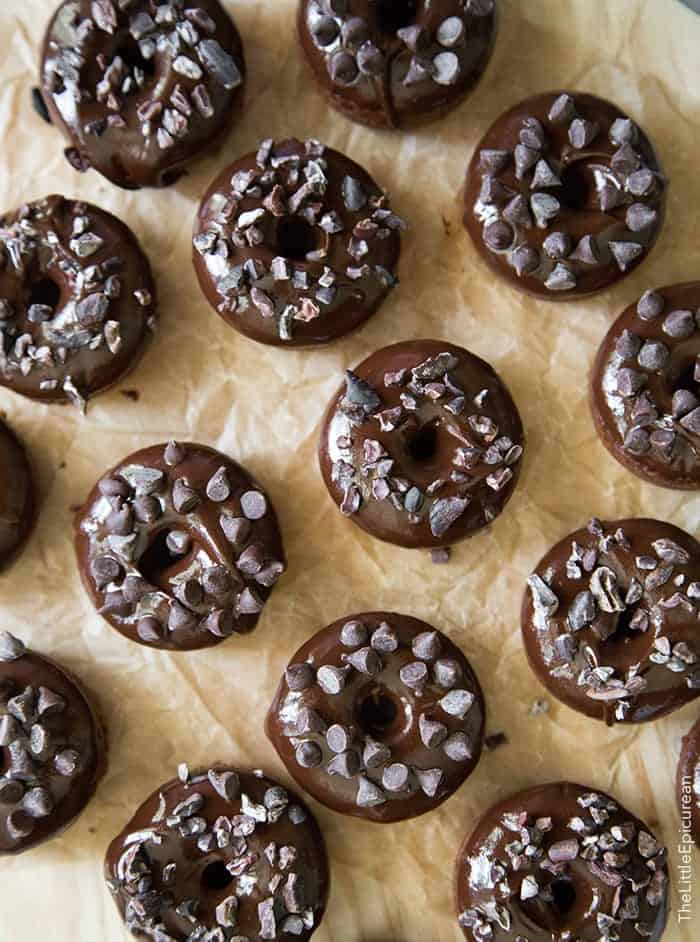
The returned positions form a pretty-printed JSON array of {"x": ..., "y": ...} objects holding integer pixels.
[
  {"x": 178, "y": 547},
  {"x": 16, "y": 495},
  {"x": 77, "y": 300},
  {"x": 397, "y": 63},
  {"x": 688, "y": 783},
  {"x": 295, "y": 244},
  {"x": 422, "y": 446},
  {"x": 52, "y": 752},
  {"x": 379, "y": 716},
  {"x": 610, "y": 620},
  {"x": 564, "y": 196},
  {"x": 645, "y": 387},
  {"x": 140, "y": 88},
  {"x": 221, "y": 856},
  {"x": 561, "y": 862}
]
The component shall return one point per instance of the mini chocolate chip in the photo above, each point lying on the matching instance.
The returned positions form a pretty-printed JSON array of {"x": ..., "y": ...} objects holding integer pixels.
[
  {"x": 309, "y": 721},
  {"x": 430, "y": 780},
  {"x": 625, "y": 160},
  {"x": 67, "y": 762},
  {"x": 445, "y": 512},
  {"x": 217, "y": 581},
  {"x": 308, "y": 755},
  {"x": 235, "y": 529},
  {"x": 563, "y": 110},
  {"x": 640, "y": 217},
  {"x": 185, "y": 499},
  {"x": 37, "y": 803},
  {"x": 628, "y": 345},
  {"x": 493, "y": 161},
  {"x": 219, "y": 623},
  {"x": 582, "y": 133},
  {"x": 525, "y": 260},
  {"x": 369, "y": 795},
  {"x": 174, "y": 454},
  {"x": 338, "y": 738},
  {"x": 545, "y": 207},
  {"x": 517, "y": 212},
  {"x": 426, "y": 645},
  {"x": 49, "y": 702},
  {"x": 395, "y": 777},
  {"x": 370, "y": 59},
  {"x": 679, "y": 324},
  {"x": 331, "y": 679},
  {"x": 19, "y": 825},
  {"x": 557, "y": 245},
  {"x": 630, "y": 382},
  {"x": 253, "y": 505},
  {"x": 105, "y": 569},
  {"x": 457, "y": 747},
  {"x": 650, "y": 306},
  {"x": 384, "y": 639},
  {"x": 180, "y": 619},
  {"x": 299, "y": 676},
  {"x": 525, "y": 159},
  {"x": 375, "y": 754},
  {"x": 457, "y": 702},
  {"x": 544, "y": 176},
  {"x": 432, "y": 733},
  {"x": 249, "y": 603},
  {"x": 414, "y": 675},
  {"x": 353, "y": 634},
  {"x": 582, "y": 611},
  {"x": 691, "y": 422},
  {"x": 587, "y": 251},
  {"x": 653, "y": 355},
  {"x": 447, "y": 672},
  {"x": 114, "y": 487},
  {"x": 366, "y": 661},
  {"x": 446, "y": 68},
  {"x": 499, "y": 235},
  {"x": 190, "y": 593},
  {"x": 178, "y": 542},
  {"x": 641, "y": 182},
  {"x": 625, "y": 253},
  {"x": 147, "y": 509},
  {"x": 346, "y": 764},
  {"x": 562, "y": 278},
  {"x": 251, "y": 559},
  {"x": 684, "y": 402},
  {"x": 623, "y": 131},
  {"x": 219, "y": 486},
  {"x": 149, "y": 629}
]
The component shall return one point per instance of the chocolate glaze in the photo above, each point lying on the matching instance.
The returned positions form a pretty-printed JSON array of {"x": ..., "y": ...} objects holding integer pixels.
[
  {"x": 52, "y": 752},
  {"x": 17, "y": 503},
  {"x": 561, "y": 862},
  {"x": 178, "y": 547},
  {"x": 296, "y": 244},
  {"x": 397, "y": 63},
  {"x": 140, "y": 89},
  {"x": 688, "y": 781},
  {"x": 222, "y": 855},
  {"x": 564, "y": 196},
  {"x": 645, "y": 387},
  {"x": 400, "y": 735},
  {"x": 422, "y": 447},
  {"x": 610, "y": 620},
  {"x": 77, "y": 300}
]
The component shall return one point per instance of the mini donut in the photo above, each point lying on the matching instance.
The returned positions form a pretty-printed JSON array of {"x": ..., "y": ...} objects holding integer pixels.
[
  {"x": 220, "y": 856},
  {"x": 296, "y": 244},
  {"x": 52, "y": 751},
  {"x": 564, "y": 196},
  {"x": 17, "y": 504},
  {"x": 688, "y": 783},
  {"x": 422, "y": 446},
  {"x": 610, "y": 620},
  {"x": 397, "y": 63},
  {"x": 561, "y": 861},
  {"x": 140, "y": 88},
  {"x": 645, "y": 387},
  {"x": 178, "y": 547},
  {"x": 77, "y": 300},
  {"x": 379, "y": 716}
]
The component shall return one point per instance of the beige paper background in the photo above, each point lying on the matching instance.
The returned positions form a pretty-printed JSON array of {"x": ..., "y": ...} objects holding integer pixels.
[{"x": 204, "y": 382}]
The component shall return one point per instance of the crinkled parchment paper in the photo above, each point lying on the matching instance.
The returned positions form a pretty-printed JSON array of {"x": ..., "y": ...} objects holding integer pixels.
[{"x": 202, "y": 381}]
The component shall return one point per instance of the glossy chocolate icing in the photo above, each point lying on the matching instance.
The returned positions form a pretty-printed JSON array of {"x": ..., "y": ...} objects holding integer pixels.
[
  {"x": 178, "y": 547},
  {"x": 379, "y": 716},
  {"x": 645, "y": 387},
  {"x": 688, "y": 782},
  {"x": 295, "y": 244},
  {"x": 610, "y": 620},
  {"x": 141, "y": 88},
  {"x": 52, "y": 752},
  {"x": 561, "y": 862},
  {"x": 77, "y": 300},
  {"x": 422, "y": 447},
  {"x": 397, "y": 63},
  {"x": 16, "y": 495},
  {"x": 222, "y": 855},
  {"x": 564, "y": 196}
]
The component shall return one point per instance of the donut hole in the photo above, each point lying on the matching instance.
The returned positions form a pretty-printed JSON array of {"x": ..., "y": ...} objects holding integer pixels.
[
  {"x": 578, "y": 189},
  {"x": 129, "y": 52},
  {"x": 295, "y": 238},
  {"x": 158, "y": 561},
  {"x": 625, "y": 645},
  {"x": 393, "y": 15},
  {"x": 377, "y": 713},
  {"x": 216, "y": 876},
  {"x": 422, "y": 444},
  {"x": 563, "y": 897},
  {"x": 44, "y": 291},
  {"x": 681, "y": 375},
  {"x": 551, "y": 911}
]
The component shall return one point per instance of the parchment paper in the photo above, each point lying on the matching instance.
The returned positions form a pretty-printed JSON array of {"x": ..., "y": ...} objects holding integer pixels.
[{"x": 204, "y": 382}]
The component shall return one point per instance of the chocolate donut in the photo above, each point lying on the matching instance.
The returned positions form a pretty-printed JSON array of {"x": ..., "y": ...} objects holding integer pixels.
[
  {"x": 140, "y": 88},
  {"x": 52, "y": 752},
  {"x": 178, "y": 547},
  {"x": 422, "y": 446},
  {"x": 397, "y": 63},
  {"x": 561, "y": 862},
  {"x": 76, "y": 300},
  {"x": 610, "y": 620},
  {"x": 645, "y": 387},
  {"x": 564, "y": 196},
  {"x": 16, "y": 495},
  {"x": 688, "y": 783},
  {"x": 220, "y": 857},
  {"x": 379, "y": 716},
  {"x": 295, "y": 244}
]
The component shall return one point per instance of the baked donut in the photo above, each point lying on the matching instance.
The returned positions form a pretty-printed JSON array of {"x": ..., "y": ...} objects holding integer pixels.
[
  {"x": 52, "y": 752},
  {"x": 77, "y": 300},
  {"x": 645, "y": 387},
  {"x": 295, "y": 244},
  {"x": 379, "y": 716},
  {"x": 16, "y": 495},
  {"x": 561, "y": 861},
  {"x": 178, "y": 547},
  {"x": 140, "y": 88},
  {"x": 221, "y": 856},
  {"x": 610, "y": 620},
  {"x": 688, "y": 782},
  {"x": 422, "y": 446},
  {"x": 564, "y": 196},
  {"x": 397, "y": 63}
]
